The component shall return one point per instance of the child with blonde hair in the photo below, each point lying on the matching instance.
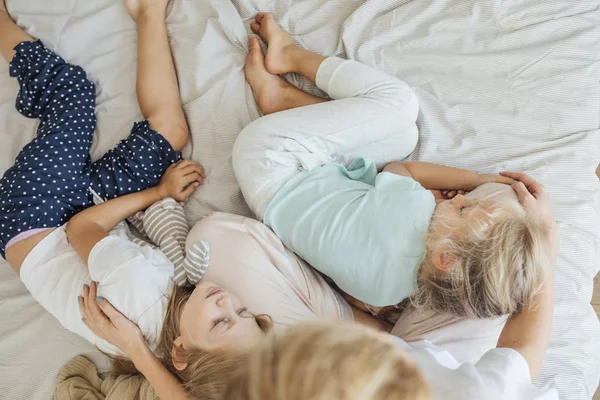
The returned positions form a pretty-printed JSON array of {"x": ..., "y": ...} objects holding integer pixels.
[
  {"x": 61, "y": 244},
  {"x": 326, "y": 361},
  {"x": 350, "y": 362},
  {"x": 382, "y": 237}
]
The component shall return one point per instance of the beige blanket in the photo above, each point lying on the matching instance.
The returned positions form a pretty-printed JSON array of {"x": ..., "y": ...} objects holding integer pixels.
[{"x": 79, "y": 380}]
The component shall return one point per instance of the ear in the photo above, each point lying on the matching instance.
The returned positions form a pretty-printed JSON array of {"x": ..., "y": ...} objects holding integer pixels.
[
  {"x": 178, "y": 355},
  {"x": 444, "y": 261}
]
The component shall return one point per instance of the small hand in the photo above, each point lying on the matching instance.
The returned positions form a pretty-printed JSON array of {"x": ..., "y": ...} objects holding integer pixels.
[
  {"x": 109, "y": 324},
  {"x": 181, "y": 180},
  {"x": 443, "y": 195},
  {"x": 450, "y": 194}
]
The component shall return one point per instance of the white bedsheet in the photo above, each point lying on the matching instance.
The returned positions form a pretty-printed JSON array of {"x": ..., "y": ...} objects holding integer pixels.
[{"x": 503, "y": 84}]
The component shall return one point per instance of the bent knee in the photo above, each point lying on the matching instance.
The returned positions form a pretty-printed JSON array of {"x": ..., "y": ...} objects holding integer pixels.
[
  {"x": 174, "y": 130},
  {"x": 252, "y": 137}
]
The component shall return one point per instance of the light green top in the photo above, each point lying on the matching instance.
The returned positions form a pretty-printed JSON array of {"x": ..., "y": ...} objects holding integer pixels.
[{"x": 364, "y": 230}]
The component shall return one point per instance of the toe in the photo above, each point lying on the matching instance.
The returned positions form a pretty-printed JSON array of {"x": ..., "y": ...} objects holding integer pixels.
[
  {"x": 255, "y": 50},
  {"x": 261, "y": 16}
]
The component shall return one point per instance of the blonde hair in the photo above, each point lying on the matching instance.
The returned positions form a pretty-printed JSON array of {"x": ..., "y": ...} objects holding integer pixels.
[
  {"x": 499, "y": 263},
  {"x": 325, "y": 361},
  {"x": 207, "y": 372}
]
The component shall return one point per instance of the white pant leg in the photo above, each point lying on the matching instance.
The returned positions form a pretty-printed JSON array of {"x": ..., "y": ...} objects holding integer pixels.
[{"x": 373, "y": 115}]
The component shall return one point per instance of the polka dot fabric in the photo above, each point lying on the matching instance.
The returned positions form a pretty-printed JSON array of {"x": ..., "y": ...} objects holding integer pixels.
[{"x": 52, "y": 175}]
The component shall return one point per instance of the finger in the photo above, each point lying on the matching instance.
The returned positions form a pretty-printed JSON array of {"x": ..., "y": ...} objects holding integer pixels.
[
  {"x": 111, "y": 314},
  {"x": 189, "y": 179},
  {"x": 260, "y": 17},
  {"x": 505, "y": 180},
  {"x": 84, "y": 298},
  {"x": 193, "y": 168},
  {"x": 94, "y": 310},
  {"x": 521, "y": 177},
  {"x": 461, "y": 192},
  {"x": 534, "y": 187},
  {"x": 451, "y": 194},
  {"x": 82, "y": 310},
  {"x": 255, "y": 27},
  {"x": 90, "y": 301},
  {"x": 445, "y": 192},
  {"x": 522, "y": 192},
  {"x": 190, "y": 190},
  {"x": 184, "y": 163}
]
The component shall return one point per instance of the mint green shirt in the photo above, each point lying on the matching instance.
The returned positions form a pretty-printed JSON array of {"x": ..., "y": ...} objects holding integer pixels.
[{"x": 364, "y": 230}]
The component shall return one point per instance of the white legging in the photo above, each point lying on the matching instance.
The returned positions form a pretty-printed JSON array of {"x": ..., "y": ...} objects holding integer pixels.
[{"x": 373, "y": 115}]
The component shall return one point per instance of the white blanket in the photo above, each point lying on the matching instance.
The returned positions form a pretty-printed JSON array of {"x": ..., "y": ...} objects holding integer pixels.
[{"x": 503, "y": 84}]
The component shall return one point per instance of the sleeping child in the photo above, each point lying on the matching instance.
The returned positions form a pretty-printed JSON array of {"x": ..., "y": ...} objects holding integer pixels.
[
  {"x": 59, "y": 243},
  {"x": 382, "y": 237}
]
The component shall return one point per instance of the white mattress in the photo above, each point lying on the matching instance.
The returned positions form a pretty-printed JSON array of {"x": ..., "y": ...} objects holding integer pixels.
[{"x": 503, "y": 84}]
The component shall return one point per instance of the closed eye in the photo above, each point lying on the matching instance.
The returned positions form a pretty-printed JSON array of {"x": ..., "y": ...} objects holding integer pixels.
[
  {"x": 242, "y": 311},
  {"x": 218, "y": 321}
]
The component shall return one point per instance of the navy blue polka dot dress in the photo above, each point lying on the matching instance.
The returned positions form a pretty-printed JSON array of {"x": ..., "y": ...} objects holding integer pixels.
[{"x": 52, "y": 176}]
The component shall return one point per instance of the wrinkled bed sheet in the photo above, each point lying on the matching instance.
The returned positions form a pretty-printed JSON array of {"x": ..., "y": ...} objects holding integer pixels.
[{"x": 503, "y": 85}]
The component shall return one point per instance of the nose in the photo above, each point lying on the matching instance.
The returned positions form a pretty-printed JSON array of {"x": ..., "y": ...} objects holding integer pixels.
[
  {"x": 223, "y": 300},
  {"x": 227, "y": 307}
]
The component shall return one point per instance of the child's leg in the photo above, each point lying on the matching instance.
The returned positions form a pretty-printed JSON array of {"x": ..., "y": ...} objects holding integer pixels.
[
  {"x": 139, "y": 161},
  {"x": 10, "y": 34},
  {"x": 49, "y": 181},
  {"x": 370, "y": 108},
  {"x": 157, "y": 87}
]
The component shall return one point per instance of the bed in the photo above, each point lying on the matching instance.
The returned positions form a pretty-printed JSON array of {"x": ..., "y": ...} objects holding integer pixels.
[{"x": 503, "y": 85}]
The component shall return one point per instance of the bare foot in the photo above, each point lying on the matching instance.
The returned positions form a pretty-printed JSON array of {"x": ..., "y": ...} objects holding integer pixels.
[
  {"x": 269, "y": 89},
  {"x": 138, "y": 7},
  {"x": 281, "y": 44}
]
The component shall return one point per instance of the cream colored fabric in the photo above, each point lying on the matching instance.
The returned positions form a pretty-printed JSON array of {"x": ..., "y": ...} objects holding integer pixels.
[{"x": 79, "y": 380}]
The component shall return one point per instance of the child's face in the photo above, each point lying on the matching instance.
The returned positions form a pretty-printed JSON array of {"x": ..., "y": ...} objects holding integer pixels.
[
  {"x": 213, "y": 318},
  {"x": 464, "y": 209},
  {"x": 453, "y": 212}
]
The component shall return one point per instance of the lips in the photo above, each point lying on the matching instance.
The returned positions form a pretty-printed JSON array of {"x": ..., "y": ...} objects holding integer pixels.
[{"x": 214, "y": 291}]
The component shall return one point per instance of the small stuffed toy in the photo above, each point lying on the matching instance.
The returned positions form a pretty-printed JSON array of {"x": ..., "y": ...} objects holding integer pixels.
[{"x": 165, "y": 225}]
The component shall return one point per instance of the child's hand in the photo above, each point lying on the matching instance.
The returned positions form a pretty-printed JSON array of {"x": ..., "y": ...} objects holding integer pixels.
[
  {"x": 181, "y": 180},
  {"x": 450, "y": 194}
]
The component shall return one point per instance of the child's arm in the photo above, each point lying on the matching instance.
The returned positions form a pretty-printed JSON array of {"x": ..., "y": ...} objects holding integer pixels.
[
  {"x": 529, "y": 331},
  {"x": 92, "y": 225},
  {"x": 109, "y": 324},
  {"x": 434, "y": 176}
]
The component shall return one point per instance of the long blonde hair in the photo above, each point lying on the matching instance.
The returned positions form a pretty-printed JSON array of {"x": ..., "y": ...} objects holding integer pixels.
[
  {"x": 207, "y": 372},
  {"x": 341, "y": 361},
  {"x": 499, "y": 264}
]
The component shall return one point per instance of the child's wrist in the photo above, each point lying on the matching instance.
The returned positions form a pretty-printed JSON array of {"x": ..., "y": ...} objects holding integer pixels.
[{"x": 160, "y": 192}]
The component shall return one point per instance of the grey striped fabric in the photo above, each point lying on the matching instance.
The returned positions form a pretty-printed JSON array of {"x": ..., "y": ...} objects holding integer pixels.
[
  {"x": 503, "y": 84},
  {"x": 163, "y": 225}
]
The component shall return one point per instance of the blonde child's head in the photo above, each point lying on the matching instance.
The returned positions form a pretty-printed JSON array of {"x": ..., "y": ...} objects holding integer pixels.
[
  {"x": 484, "y": 256},
  {"x": 205, "y": 334},
  {"x": 316, "y": 361}
]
